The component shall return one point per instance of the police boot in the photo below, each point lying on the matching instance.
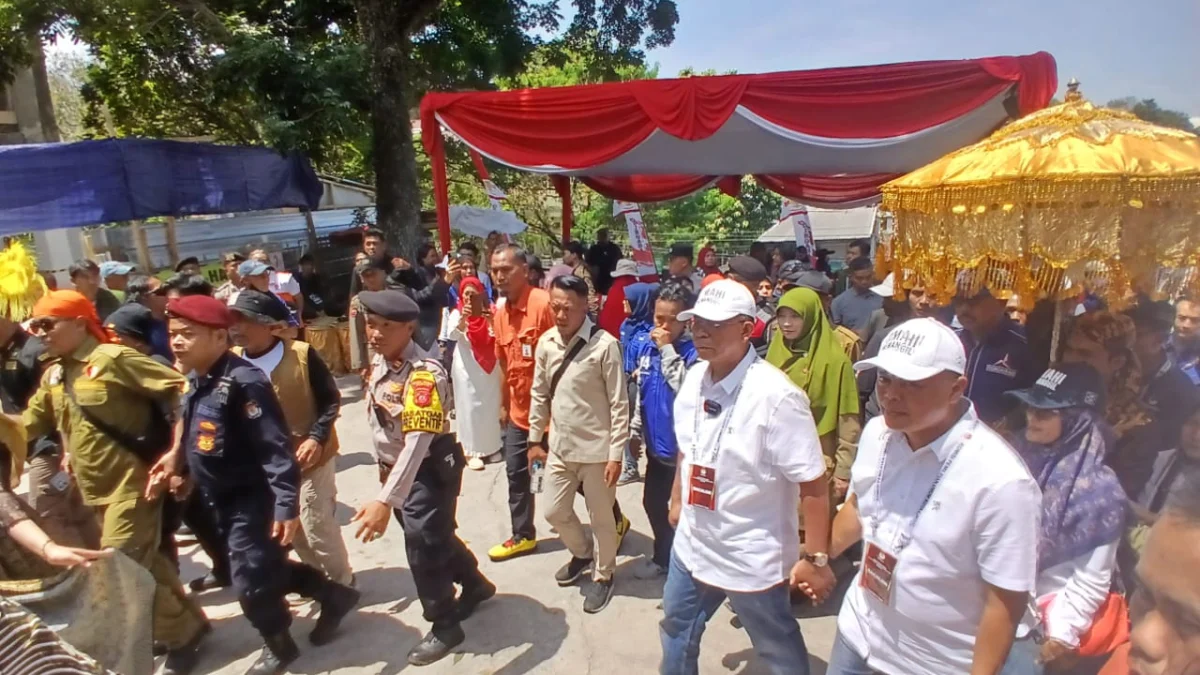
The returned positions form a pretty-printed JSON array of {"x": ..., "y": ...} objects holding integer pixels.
[
  {"x": 436, "y": 644},
  {"x": 279, "y": 651},
  {"x": 336, "y": 602}
]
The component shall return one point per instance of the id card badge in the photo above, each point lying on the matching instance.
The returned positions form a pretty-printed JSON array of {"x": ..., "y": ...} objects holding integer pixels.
[
  {"x": 702, "y": 487},
  {"x": 526, "y": 351},
  {"x": 878, "y": 571}
]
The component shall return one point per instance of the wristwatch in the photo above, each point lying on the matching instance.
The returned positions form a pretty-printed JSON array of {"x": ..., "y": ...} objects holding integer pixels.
[{"x": 818, "y": 559}]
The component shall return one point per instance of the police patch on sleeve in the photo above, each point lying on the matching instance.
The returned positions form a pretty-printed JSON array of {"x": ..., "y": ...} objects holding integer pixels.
[{"x": 422, "y": 404}]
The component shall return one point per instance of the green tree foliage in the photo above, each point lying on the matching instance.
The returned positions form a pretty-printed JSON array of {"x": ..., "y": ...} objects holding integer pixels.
[{"x": 1148, "y": 110}]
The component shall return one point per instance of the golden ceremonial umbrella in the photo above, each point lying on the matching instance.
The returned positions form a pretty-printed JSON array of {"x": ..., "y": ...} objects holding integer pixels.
[{"x": 1068, "y": 195}]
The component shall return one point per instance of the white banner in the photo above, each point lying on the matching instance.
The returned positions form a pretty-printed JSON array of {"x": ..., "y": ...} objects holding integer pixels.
[
  {"x": 639, "y": 242},
  {"x": 798, "y": 214}
]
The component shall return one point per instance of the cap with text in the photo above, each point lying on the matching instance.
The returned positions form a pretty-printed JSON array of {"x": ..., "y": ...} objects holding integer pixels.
[
  {"x": 1064, "y": 385},
  {"x": 720, "y": 301},
  {"x": 917, "y": 350}
]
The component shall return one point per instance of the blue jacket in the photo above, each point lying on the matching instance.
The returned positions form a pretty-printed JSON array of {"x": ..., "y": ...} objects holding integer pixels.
[{"x": 656, "y": 398}]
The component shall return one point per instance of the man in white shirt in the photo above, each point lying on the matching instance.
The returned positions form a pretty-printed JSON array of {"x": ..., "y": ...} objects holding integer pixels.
[
  {"x": 948, "y": 516},
  {"x": 749, "y": 456}
]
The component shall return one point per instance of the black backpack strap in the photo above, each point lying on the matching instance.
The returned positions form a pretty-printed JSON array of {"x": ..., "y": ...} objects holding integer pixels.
[{"x": 562, "y": 368}]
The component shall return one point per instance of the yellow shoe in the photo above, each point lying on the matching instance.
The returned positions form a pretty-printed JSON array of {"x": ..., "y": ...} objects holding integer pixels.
[
  {"x": 513, "y": 548},
  {"x": 622, "y": 530}
]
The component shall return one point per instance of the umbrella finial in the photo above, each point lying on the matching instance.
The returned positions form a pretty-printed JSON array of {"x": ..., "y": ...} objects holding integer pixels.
[{"x": 1073, "y": 90}]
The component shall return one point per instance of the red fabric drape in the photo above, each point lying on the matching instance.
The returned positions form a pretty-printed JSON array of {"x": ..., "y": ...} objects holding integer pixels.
[
  {"x": 826, "y": 190},
  {"x": 562, "y": 185},
  {"x": 431, "y": 138},
  {"x": 647, "y": 188},
  {"x": 480, "y": 167}
]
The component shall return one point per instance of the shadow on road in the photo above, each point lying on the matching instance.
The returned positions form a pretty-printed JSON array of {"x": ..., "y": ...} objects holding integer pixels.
[
  {"x": 750, "y": 665},
  {"x": 508, "y": 621}
]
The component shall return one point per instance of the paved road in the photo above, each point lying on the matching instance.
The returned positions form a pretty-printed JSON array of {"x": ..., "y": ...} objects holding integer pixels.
[{"x": 531, "y": 626}]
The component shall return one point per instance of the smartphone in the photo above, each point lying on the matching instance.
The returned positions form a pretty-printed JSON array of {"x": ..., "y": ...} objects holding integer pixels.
[{"x": 476, "y": 305}]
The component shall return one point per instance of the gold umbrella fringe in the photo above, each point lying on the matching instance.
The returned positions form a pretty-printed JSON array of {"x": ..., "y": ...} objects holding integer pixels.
[{"x": 1008, "y": 194}]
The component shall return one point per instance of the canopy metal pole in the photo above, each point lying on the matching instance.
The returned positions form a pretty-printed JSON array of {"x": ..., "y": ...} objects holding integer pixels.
[
  {"x": 172, "y": 242},
  {"x": 143, "y": 247}
]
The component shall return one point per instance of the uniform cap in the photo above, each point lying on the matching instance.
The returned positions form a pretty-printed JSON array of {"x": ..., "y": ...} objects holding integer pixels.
[
  {"x": 131, "y": 319},
  {"x": 190, "y": 260},
  {"x": 917, "y": 350},
  {"x": 681, "y": 250},
  {"x": 201, "y": 309},
  {"x": 748, "y": 268},
  {"x": 391, "y": 304},
  {"x": 1066, "y": 385},
  {"x": 720, "y": 301},
  {"x": 233, "y": 256},
  {"x": 260, "y": 306},
  {"x": 111, "y": 267},
  {"x": 816, "y": 280}
]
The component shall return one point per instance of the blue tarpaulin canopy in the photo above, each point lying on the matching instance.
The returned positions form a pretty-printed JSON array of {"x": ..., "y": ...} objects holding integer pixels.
[{"x": 54, "y": 185}]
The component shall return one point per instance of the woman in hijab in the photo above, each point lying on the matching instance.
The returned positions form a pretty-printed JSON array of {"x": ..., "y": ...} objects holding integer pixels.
[
  {"x": 805, "y": 348},
  {"x": 474, "y": 374},
  {"x": 635, "y": 334},
  {"x": 1064, "y": 443},
  {"x": 707, "y": 262}
]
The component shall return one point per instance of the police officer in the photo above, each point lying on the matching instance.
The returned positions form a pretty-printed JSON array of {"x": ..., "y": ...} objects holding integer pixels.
[
  {"x": 239, "y": 452},
  {"x": 420, "y": 466}
]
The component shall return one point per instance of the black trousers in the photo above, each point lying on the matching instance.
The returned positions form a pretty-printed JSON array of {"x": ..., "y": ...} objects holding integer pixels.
[
  {"x": 437, "y": 557},
  {"x": 198, "y": 514},
  {"x": 259, "y": 566},
  {"x": 656, "y": 500}
]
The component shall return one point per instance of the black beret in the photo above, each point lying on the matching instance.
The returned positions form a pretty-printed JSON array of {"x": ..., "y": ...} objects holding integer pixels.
[
  {"x": 258, "y": 305},
  {"x": 391, "y": 304},
  {"x": 132, "y": 319},
  {"x": 681, "y": 250},
  {"x": 190, "y": 260},
  {"x": 748, "y": 268}
]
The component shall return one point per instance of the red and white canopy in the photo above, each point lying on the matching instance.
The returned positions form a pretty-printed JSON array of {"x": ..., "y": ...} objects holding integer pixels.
[{"x": 823, "y": 137}]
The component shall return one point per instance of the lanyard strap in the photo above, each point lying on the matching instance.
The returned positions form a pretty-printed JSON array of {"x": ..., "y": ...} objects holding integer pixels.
[
  {"x": 716, "y": 447},
  {"x": 905, "y": 536}
]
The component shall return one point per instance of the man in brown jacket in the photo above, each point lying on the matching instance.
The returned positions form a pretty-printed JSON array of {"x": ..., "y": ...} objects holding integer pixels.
[{"x": 311, "y": 403}]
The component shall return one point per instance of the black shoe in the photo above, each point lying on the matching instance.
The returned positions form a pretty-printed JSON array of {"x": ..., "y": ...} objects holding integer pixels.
[
  {"x": 572, "y": 571},
  {"x": 436, "y": 645},
  {"x": 336, "y": 602},
  {"x": 208, "y": 582},
  {"x": 474, "y": 595},
  {"x": 182, "y": 660},
  {"x": 597, "y": 596},
  {"x": 278, "y": 652}
]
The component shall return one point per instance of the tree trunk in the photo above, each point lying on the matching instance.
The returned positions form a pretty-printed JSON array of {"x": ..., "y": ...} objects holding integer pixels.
[{"x": 385, "y": 25}]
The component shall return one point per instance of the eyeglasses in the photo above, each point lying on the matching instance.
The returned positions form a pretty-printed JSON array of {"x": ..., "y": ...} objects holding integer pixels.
[
  {"x": 706, "y": 326},
  {"x": 43, "y": 325}
]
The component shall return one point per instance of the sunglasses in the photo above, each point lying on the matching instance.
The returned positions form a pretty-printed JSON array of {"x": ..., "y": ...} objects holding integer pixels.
[{"x": 45, "y": 324}]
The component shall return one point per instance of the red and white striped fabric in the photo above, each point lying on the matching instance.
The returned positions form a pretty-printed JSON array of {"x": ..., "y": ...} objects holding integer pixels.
[{"x": 824, "y": 137}]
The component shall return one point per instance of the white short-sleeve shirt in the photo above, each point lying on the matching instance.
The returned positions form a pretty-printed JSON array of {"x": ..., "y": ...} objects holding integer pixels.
[
  {"x": 751, "y": 540},
  {"x": 981, "y": 526}
]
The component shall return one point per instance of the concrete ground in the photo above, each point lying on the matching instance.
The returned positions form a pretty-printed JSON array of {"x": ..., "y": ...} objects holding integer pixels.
[{"x": 531, "y": 626}]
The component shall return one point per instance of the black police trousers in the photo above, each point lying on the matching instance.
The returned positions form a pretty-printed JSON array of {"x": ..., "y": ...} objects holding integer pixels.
[
  {"x": 437, "y": 557},
  {"x": 197, "y": 513},
  {"x": 261, "y": 572}
]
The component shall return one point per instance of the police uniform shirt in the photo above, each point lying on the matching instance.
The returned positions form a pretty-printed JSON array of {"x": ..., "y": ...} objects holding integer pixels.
[
  {"x": 236, "y": 437},
  {"x": 1000, "y": 362},
  {"x": 407, "y": 404}
]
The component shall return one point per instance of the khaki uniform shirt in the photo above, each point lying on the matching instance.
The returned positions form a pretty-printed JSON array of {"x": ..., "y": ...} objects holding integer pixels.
[
  {"x": 116, "y": 384},
  {"x": 589, "y": 414},
  {"x": 407, "y": 405}
]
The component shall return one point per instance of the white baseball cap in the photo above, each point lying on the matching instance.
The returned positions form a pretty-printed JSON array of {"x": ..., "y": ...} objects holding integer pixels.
[
  {"x": 886, "y": 289},
  {"x": 625, "y": 268},
  {"x": 720, "y": 301},
  {"x": 917, "y": 350}
]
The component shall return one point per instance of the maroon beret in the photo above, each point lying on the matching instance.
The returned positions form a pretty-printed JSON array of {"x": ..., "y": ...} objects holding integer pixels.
[{"x": 201, "y": 309}]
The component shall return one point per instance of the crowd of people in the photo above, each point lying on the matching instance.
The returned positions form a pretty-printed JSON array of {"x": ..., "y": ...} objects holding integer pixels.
[{"x": 977, "y": 503}]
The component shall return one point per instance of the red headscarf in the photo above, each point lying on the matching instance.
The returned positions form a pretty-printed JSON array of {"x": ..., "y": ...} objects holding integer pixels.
[
  {"x": 613, "y": 311},
  {"x": 72, "y": 305},
  {"x": 700, "y": 261},
  {"x": 483, "y": 343}
]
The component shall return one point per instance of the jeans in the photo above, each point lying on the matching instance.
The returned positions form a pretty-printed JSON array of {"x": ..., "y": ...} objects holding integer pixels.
[
  {"x": 688, "y": 604},
  {"x": 629, "y": 465},
  {"x": 520, "y": 494},
  {"x": 656, "y": 500},
  {"x": 1023, "y": 658},
  {"x": 846, "y": 661}
]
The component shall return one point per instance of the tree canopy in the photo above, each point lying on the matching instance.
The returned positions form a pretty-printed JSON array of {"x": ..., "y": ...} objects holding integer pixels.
[{"x": 1148, "y": 110}]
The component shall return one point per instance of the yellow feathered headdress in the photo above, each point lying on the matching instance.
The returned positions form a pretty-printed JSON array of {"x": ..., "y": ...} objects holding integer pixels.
[{"x": 20, "y": 283}]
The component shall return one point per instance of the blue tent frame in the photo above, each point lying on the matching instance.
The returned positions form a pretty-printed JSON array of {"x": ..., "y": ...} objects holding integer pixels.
[{"x": 53, "y": 185}]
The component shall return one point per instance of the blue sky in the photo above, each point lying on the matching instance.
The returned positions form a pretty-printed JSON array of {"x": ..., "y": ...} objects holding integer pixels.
[{"x": 1116, "y": 48}]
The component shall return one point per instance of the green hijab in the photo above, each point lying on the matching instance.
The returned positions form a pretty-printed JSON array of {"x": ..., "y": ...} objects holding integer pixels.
[{"x": 815, "y": 361}]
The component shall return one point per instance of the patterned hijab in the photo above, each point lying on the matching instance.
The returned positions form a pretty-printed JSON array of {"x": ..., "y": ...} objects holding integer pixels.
[
  {"x": 1116, "y": 332},
  {"x": 1083, "y": 505}
]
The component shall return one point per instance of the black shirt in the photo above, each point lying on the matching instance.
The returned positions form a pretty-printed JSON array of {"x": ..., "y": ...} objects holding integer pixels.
[{"x": 22, "y": 371}]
